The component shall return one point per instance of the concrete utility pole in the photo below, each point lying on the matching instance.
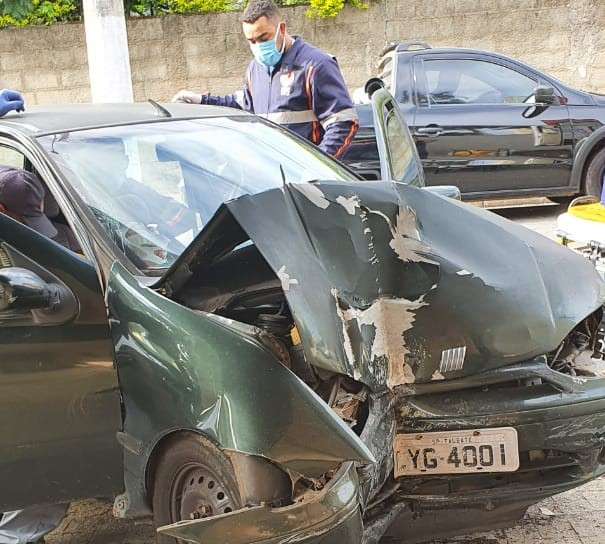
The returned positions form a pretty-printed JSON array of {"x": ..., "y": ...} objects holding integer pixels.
[{"x": 107, "y": 46}]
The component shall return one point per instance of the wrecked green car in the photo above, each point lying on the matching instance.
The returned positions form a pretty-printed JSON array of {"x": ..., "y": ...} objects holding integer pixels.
[{"x": 255, "y": 345}]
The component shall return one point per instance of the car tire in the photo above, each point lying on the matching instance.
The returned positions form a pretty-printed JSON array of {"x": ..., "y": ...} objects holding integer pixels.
[
  {"x": 595, "y": 173},
  {"x": 193, "y": 479}
]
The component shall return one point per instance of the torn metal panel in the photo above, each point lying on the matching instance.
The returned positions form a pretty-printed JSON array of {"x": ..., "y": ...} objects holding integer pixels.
[
  {"x": 411, "y": 257},
  {"x": 406, "y": 264},
  {"x": 219, "y": 377},
  {"x": 328, "y": 516},
  {"x": 391, "y": 289},
  {"x": 390, "y": 319},
  {"x": 378, "y": 433},
  {"x": 342, "y": 252}
]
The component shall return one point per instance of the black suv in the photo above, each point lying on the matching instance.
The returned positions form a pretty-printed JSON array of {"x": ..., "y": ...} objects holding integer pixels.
[{"x": 491, "y": 125}]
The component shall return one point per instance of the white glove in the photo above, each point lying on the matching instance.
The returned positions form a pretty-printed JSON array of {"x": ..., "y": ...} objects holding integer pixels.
[{"x": 187, "y": 97}]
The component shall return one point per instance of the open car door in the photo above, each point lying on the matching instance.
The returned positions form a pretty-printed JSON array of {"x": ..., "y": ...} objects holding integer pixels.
[
  {"x": 399, "y": 159},
  {"x": 60, "y": 404}
]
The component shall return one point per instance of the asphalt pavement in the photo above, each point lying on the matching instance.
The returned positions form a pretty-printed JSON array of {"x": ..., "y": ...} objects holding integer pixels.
[{"x": 574, "y": 517}]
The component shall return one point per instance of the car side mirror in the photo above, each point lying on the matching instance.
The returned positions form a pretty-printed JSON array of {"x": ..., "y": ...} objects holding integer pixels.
[
  {"x": 22, "y": 289},
  {"x": 449, "y": 191},
  {"x": 545, "y": 95}
]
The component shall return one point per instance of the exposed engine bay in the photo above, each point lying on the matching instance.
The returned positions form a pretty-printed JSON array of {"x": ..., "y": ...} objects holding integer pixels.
[
  {"x": 256, "y": 298},
  {"x": 582, "y": 352}
]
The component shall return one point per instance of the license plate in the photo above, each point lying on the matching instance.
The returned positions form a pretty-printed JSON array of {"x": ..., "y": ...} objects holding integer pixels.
[{"x": 456, "y": 452}]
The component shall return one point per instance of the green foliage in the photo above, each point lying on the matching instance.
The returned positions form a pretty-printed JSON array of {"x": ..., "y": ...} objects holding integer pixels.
[
  {"x": 146, "y": 7},
  {"x": 40, "y": 12},
  {"x": 201, "y": 6},
  {"x": 331, "y": 8},
  {"x": 15, "y": 8},
  {"x": 46, "y": 12}
]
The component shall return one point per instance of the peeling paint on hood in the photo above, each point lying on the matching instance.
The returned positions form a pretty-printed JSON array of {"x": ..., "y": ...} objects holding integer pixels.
[
  {"x": 285, "y": 279},
  {"x": 349, "y": 204},
  {"x": 390, "y": 318},
  {"x": 384, "y": 291},
  {"x": 314, "y": 194},
  {"x": 406, "y": 240}
]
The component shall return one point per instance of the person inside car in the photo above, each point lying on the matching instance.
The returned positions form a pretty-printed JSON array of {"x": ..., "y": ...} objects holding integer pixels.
[{"x": 22, "y": 196}]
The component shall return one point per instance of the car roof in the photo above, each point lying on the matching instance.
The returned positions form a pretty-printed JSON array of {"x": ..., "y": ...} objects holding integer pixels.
[
  {"x": 416, "y": 48},
  {"x": 39, "y": 120}
]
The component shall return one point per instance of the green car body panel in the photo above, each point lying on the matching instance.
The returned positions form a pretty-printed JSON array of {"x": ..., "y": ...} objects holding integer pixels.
[
  {"x": 180, "y": 369},
  {"x": 382, "y": 278},
  {"x": 61, "y": 400},
  {"x": 378, "y": 278},
  {"x": 334, "y": 511},
  {"x": 384, "y": 283}
]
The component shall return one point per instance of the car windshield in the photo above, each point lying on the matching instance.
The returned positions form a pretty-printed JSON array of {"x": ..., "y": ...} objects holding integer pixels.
[{"x": 153, "y": 186}]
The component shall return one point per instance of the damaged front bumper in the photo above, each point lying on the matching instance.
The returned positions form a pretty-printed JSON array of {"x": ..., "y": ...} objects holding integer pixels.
[
  {"x": 559, "y": 420},
  {"x": 331, "y": 515}
]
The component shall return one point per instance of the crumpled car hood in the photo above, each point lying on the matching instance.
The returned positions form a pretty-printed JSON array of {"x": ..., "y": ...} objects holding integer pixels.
[{"x": 393, "y": 285}]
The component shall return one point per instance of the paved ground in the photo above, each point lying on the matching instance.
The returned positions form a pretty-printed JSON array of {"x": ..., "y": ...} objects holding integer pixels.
[{"x": 575, "y": 517}]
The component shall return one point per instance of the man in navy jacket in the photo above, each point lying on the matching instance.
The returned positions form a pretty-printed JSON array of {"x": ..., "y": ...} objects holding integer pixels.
[{"x": 290, "y": 82}]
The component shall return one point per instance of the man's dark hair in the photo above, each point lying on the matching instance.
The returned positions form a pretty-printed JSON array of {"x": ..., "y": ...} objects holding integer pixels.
[{"x": 260, "y": 8}]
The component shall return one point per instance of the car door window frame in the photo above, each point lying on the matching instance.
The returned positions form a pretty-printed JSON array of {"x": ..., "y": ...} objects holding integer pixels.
[
  {"x": 387, "y": 116},
  {"x": 40, "y": 168},
  {"x": 422, "y": 84}
]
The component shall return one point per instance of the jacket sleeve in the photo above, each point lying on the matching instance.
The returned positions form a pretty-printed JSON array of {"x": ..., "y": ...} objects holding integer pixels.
[
  {"x": 230, "y": 100},
  {"x": 333, "y": 107},
  {"x": 241, "y": 100}
]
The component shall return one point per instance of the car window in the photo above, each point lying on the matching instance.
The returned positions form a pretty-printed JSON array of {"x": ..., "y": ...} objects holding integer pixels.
[
  {"x": 152, "y": 187},
  {"x": 11, "y": 157},
  {"x": 465, "y": 81},
  {"x": 399, "y": 159},
  {"x": 64, "y": 232},
  {"x": 402, "y": 156}
]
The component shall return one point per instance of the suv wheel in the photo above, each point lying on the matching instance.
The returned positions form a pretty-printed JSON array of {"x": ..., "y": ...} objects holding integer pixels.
[{"x": 595, "y": 174}]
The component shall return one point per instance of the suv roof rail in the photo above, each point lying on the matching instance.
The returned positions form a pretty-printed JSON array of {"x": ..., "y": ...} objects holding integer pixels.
[
  {"x": 412, "y": 44},
  {"x": 404, "y": 46}
]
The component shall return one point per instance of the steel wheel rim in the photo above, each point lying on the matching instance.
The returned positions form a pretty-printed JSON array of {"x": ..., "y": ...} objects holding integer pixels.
[{"x": 197, "y": 493}]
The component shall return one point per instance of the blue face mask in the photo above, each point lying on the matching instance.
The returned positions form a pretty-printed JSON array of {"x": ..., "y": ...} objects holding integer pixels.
[{"x": 266, "y": 52}]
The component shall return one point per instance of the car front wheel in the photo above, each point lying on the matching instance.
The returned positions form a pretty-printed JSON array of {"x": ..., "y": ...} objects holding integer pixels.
[
  {"x": 595, "y": 174},
  {"x": 193, "y": 479}
]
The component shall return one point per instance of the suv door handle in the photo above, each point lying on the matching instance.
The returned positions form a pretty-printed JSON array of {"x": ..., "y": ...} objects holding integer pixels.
[{"x": 431, "y": 130}]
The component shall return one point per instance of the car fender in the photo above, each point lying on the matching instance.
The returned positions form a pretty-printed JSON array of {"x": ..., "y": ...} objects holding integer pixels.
[
  {"x": 181, "y": 369},
  {"x": 328, "y": 516},
  {"x": 584, "y": 150}
]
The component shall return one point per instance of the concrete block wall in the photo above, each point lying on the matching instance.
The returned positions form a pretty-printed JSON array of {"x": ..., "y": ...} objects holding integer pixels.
[
  {"x": 565, "y": 38},
  {"x": 47, "y": 63}
]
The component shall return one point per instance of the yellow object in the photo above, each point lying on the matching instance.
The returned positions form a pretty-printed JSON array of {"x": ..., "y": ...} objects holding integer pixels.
[
  {"x": 295, "y": 336},
  {"x": 593, "y": 212}
]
